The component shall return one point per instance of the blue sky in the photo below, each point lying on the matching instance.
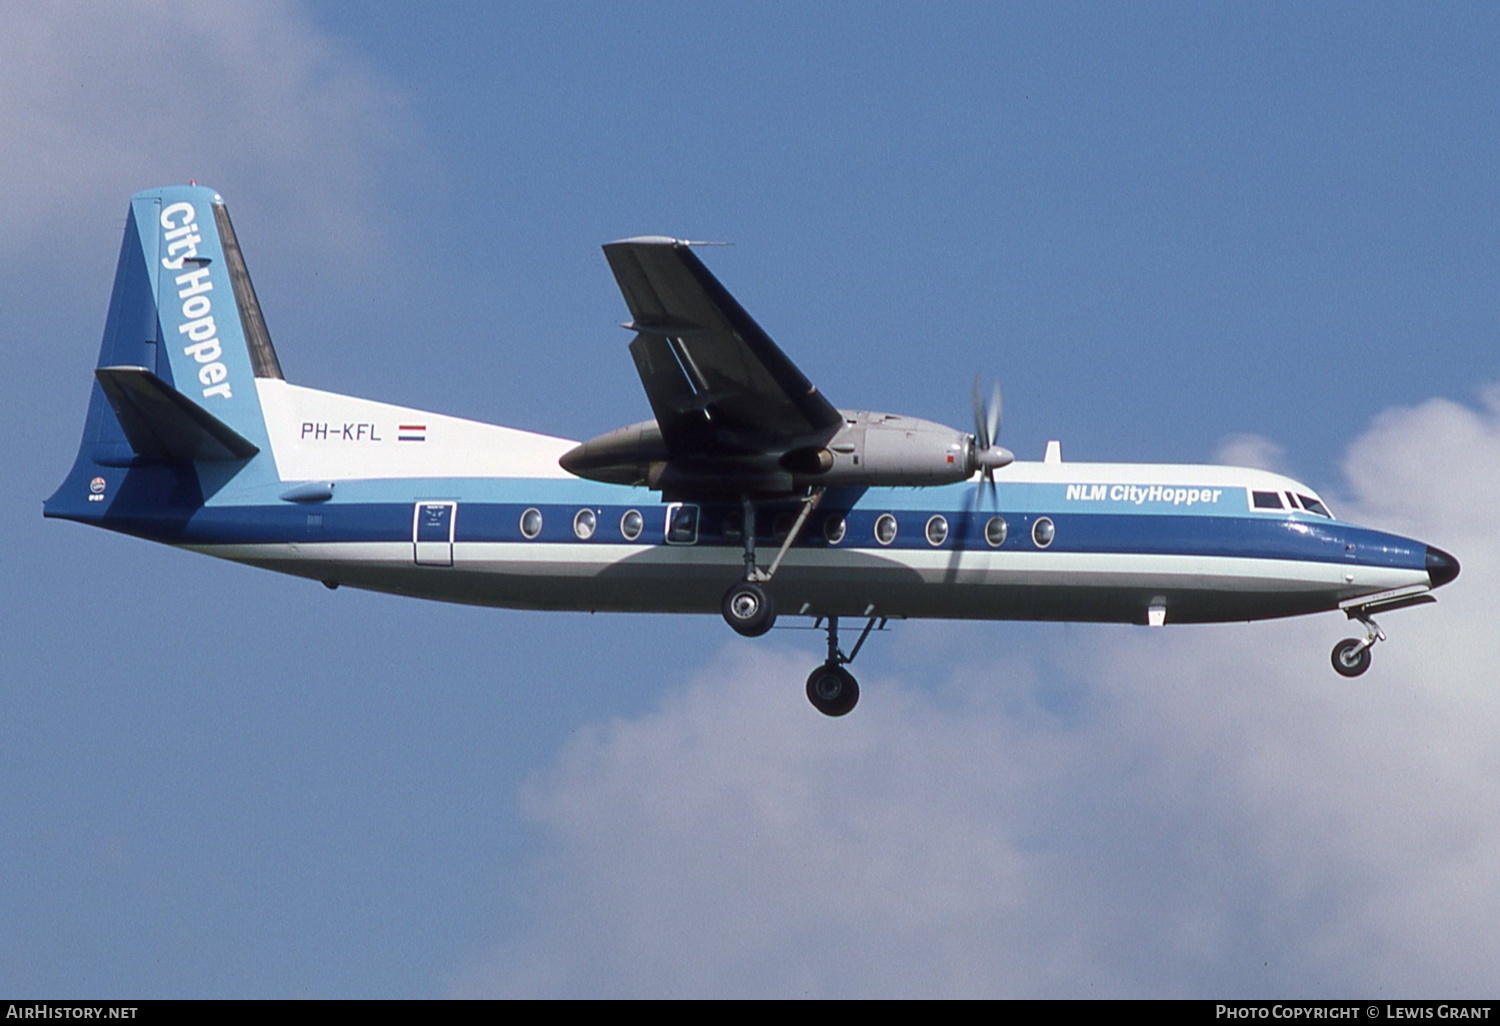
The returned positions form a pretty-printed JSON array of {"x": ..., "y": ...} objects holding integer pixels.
[{"x": 1174, "y": 233}]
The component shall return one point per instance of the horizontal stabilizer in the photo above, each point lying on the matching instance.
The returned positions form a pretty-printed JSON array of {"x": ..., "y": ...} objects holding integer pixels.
[{"x": 162, "y": 423}]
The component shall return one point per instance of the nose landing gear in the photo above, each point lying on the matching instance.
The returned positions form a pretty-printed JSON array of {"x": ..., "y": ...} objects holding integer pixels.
[{"x": 1351, "y": 657}]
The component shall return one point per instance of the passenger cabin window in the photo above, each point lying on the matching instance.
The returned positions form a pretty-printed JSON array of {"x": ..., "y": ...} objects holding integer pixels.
[
  {"x": 1043, "y": 531},
  {"x": 1266, "y": 500},
  {"x": 937, "y": 531},
  {"x": 995, "y": 531},
  {"x": 833, "y": 529}
]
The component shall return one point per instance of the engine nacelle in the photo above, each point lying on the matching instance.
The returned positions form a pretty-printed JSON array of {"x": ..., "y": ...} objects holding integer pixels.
[
  {"x": 884, "y": 449},
  {"x": 868, "y": 450},
  {"x": 622, "y": 456}
]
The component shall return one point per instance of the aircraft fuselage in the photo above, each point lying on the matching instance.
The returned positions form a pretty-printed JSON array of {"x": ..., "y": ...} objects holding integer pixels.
[{"x": 1123, "y": 537}]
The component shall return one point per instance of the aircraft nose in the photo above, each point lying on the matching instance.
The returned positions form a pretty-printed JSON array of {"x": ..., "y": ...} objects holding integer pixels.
[{"x": 1441, "y": 567}]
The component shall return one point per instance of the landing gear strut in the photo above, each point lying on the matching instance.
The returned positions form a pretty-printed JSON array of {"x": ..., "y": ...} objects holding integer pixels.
[
  {"x": 831, "y": 689},
  {"x": 751, "y": 611},
  {"x": 1351, "y": 657},
  {"x": 748, "y": 607}
]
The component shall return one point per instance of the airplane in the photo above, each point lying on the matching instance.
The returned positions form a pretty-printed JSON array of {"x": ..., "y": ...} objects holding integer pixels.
[{"x": 194, "y": 438}]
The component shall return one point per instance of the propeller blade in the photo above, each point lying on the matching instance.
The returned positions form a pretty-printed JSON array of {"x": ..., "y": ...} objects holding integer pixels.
[
  {"x": 992, "y": 422},
  {"x": 983, "y": 439},
  {"x": 987, "y": 456}
]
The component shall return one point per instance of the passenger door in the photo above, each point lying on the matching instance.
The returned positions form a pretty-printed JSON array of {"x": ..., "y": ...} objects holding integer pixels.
[{"x": 432, "y": 533}]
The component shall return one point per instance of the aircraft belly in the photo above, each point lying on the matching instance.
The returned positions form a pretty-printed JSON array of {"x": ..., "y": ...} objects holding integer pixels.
[
  {"x": 1060, "y": 586},
  {"x": 850, "y": 582}
]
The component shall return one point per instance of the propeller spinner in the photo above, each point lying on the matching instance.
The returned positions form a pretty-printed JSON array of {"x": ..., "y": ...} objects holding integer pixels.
[{"x": 984, "y": 454}]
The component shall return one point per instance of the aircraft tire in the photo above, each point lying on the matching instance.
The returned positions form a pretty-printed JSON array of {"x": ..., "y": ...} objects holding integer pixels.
[
  {"x": 832, "y": 690},
  {"x": 1347, "y": 661},
  {"x": 749, "y": 610}
]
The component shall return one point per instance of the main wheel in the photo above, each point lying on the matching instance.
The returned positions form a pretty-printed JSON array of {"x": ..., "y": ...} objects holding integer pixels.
[
  {"x": 1349, "y": 659},
  {"x": 749, "y": 610},
  {"x": 832, "y": 690}
]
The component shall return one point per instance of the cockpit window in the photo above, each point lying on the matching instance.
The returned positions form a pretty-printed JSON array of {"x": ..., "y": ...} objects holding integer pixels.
[
  {"x": 1266, "y": 500},
  {"x": 1314, "y": 506}
]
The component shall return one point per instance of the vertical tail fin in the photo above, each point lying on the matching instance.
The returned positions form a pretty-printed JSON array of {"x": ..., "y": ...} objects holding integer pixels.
[
  {"x": 212, "y": 342},
  {"x": 183, "y": 344}
]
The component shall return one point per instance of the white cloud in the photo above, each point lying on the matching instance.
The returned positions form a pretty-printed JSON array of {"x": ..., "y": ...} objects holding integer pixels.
[
  {"x": 100, "y": 100},
  {"x": 1431, "y": 466},
  {"x": 1249, "y": 450},
  {"x": 1210, "y": 811}
]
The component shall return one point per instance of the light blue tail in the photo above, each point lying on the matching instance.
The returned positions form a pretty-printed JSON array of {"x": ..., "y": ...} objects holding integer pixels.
[{"x": 174, "y": 412}]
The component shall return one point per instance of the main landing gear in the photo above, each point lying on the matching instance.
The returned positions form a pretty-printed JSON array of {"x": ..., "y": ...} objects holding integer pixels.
[
  {"x": 831, "y": 689},
  {"x": 748, "y": 607},
  {"x": 751, "y": 611}
]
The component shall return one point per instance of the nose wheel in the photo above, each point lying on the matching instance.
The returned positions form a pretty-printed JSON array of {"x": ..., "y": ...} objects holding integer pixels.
[{"x": 1351, "y": 657}]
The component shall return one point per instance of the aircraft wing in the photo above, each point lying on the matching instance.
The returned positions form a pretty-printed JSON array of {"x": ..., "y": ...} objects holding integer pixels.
[{"x": 716, "y": 382}]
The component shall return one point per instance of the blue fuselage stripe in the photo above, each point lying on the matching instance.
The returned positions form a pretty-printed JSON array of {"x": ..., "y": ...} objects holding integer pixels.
[{"x": 1252, "y": 537}]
